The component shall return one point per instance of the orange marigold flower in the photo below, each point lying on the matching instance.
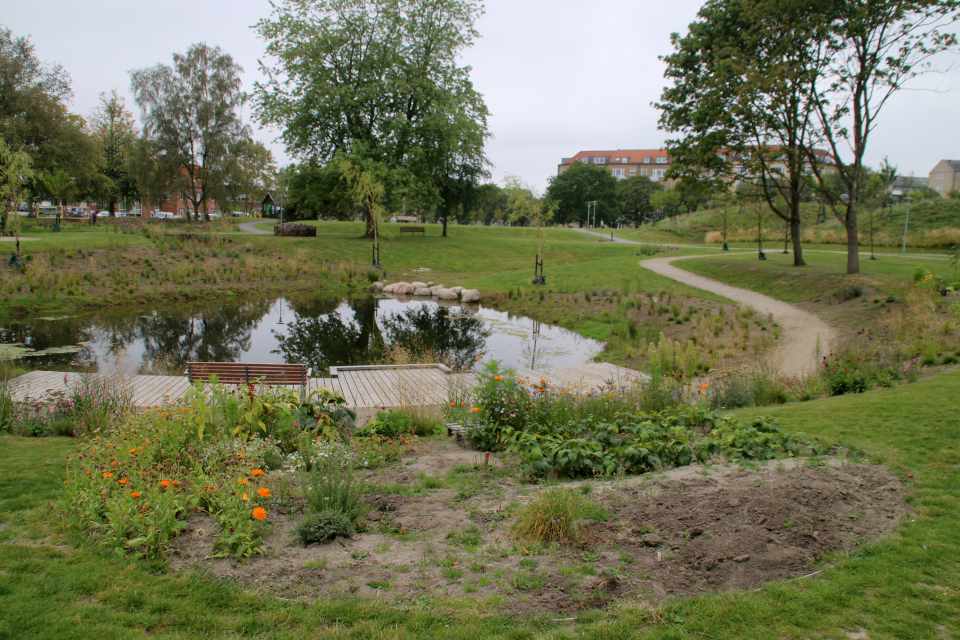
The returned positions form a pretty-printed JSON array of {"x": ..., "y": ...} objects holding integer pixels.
[
  {"x": 107, "y": 475},
  {"x": 704, "y": 385},
  {"x": 245, "y": 497},
  {"x": 239, "y": 454},
  {"x": 166, "y": 483},
  {"x": 453, "y": 404},
  {"x": 183, "y": 410},
  {"x": 475, "y": 409},
  {"x": 257, "y": 472},
  {"x": 134, "y": 495},
  {"x": 263, "y": 492},
  {"x": 703, "y": 393},
  {"x": 242, "y": 481},
  {"x": 123, "y": 481},
  {"x": 496, "y": 377},
  {"x": 260, "y": 513},
  {"x": 134, "y": 450}
]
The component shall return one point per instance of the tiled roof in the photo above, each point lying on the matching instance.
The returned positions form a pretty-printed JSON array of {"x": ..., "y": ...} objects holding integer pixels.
[{"x": 636, "y": 156}]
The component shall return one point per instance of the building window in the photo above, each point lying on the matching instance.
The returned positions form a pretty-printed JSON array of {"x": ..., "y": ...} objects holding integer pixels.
[
  {"x": 661, "y": 160},
  {"x": 624, "y": 159},
  {"x": 646, "y": 160},
  {"x": 181, "y": 211},
  {"x": 617, "y": 173},
  {"x": 643, "y": 172},
  {"x": 633, "y": 169},
  {"x": 599, "y": 160},
  {"x": 585, "y": 159},
  {"x": 658, "y": 173}
]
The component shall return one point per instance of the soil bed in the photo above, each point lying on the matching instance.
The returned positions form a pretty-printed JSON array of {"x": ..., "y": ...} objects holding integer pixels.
[{"x": 678, "y": 533}]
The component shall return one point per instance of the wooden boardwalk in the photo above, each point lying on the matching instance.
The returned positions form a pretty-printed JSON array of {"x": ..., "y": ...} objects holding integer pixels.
[{"x": 363, "y": 387}]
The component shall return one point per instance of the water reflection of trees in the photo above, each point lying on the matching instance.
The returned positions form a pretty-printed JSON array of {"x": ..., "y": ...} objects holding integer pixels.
[
  {"x": 212, "y": 333},
  {"x": 325, "y": 339},
  {"x": 447, "y": 333}
]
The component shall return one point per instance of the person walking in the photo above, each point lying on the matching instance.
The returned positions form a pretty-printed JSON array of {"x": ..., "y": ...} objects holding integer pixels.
[{"x": 93, "y": 218}]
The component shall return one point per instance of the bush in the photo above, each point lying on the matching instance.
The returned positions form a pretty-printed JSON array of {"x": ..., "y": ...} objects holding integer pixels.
[
  {"x": 731, "y": 392},
  {"x": 324, "y": 526}
]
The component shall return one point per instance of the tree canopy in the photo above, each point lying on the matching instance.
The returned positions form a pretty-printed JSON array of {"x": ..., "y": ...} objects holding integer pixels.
[
  {"x": 378, "y": 79},
  {"x": 580, "y": 184},
  {"x": 634, "y": 194},
  {"x": 115, "y": 134},
  {"x": 192, "y": 111}
]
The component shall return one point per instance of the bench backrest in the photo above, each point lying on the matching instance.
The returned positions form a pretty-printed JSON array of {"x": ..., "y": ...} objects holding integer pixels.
[
  {"x": 417, "y": 229},
  {"x": 239, "y": 373}
]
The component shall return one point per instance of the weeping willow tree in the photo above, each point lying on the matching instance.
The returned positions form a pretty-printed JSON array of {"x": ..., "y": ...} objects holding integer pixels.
[
  {"x": 526, "y": 206},
  {"x": 14, "y": 172},
  {"x": 366, "y": 187}
]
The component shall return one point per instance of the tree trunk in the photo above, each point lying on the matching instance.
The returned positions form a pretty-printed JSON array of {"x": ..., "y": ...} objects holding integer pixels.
[
  {"x": 444, "y": 226},
  {"x": 113, "y": 208},
  {"x": 369, "y": 232},
  {"x": 853, "y": 247},
  {"x": 797, "y": 251}
]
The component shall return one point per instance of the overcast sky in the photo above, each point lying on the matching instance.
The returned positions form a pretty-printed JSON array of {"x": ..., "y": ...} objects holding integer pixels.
[{"x": 559, "y": 76}]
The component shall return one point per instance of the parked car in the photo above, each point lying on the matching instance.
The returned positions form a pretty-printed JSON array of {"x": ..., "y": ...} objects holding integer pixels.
[{"x": 164, "y": 215}]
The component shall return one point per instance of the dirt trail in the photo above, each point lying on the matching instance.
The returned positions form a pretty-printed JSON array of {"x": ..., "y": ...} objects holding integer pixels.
[{"x": 802, "y": 332}]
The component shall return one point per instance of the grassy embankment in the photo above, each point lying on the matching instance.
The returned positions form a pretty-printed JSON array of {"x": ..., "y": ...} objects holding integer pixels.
[
  {"x": 901, "y": 587},
  {"x": 934, "y": 227}
]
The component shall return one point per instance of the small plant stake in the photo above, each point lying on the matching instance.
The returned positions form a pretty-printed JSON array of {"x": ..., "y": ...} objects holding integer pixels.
[{"x": 486, "y": 460}]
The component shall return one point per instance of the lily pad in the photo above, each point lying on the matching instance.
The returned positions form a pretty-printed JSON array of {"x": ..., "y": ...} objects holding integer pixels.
[{"x": 12, "y": 351}]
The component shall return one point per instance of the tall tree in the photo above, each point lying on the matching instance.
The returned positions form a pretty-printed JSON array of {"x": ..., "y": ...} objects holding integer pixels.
[
  {"x": 740, "y": 99},
  {"x": 872, "y": 49},
  {"x": 524, "y": 203},
  {"x": 250, "y": 173},
  {"x": 192, "y": 111},
  {"x": 580, "y": 184},
  {"x": 633, "y": 196},
  {"x": 378, "y": 79},
  {"x": 34, "y": 117},
  {"x": 15, "y": 172},
  {"x": 115, "y": 134}
]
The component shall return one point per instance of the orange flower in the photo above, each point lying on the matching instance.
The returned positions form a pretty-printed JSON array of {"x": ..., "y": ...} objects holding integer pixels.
[
  {"x": 260, "y": 513},
  {"x": 480, "y": 356},
  {"x": 496, "y": 377},
  {"x": 245, "y": 497},
  {"x": 475, "y": 409},
  {"x": 263, "y": 492},
  {"x": 704, "y": 385},
  {"x": 134, "y": 450},
  {"x": 703, "y": 393},
  {"x": 123, "y": 481},
  {"x": 183, "y": 410},
  {"x": 134, "y": 495},
  {"x": 166, "y": 483},
  {"x": 257, "y": 472},
  {"x": 242, "y": 481},
  {"x": 239, "y": 454},
  {"x": 108, "y": 475},
  {"x": 453, "y": 404}
]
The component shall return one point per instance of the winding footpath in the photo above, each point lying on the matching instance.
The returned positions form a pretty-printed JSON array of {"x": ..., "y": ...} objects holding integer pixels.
[{"x": 803, "y": 335}]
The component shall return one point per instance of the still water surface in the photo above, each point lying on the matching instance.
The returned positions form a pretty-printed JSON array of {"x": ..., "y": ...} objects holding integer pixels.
[{"x": 319, "y": 331}]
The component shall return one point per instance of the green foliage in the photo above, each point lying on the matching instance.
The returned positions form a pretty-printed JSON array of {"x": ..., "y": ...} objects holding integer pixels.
[
  {"x": 388, "y": 424},
  {"x": 579, "y": 184},
  {"x": 332, "y": 484},
  {"x": 325, "y": 525}
]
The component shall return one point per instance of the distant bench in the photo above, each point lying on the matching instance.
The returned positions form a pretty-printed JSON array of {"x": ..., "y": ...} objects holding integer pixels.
[
  {"x": 422, "y": 230},
  {"x": 243, "y": 373}
]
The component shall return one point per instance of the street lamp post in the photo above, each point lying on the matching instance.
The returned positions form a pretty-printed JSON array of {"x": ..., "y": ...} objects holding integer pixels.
[{"x": 906, "y": 222}]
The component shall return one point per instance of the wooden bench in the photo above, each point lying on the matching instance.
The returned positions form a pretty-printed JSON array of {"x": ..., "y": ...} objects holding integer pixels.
[
  {"x": 421, "y": 230},
  {"x": 244, "y": 373}
]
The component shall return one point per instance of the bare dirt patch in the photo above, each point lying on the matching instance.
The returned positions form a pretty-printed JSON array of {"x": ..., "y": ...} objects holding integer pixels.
[{"x": 678, "y": 533}]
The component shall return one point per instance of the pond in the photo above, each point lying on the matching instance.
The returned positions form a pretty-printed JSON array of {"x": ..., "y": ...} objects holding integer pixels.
[{"x": 318, "y": 331}]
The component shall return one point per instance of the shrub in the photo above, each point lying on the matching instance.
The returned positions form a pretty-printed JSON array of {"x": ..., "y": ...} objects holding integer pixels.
[
  {"x": 293, "y": 229},
  {"x": 324, "y": 526},
  {"x": 731, "y": 392}
]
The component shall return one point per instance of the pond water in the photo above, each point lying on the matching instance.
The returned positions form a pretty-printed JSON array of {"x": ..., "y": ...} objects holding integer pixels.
[{"x": 319, "y": 331}]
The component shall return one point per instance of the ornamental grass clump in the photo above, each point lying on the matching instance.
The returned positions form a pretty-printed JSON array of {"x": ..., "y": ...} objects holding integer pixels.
[
  {"x": 333, "y": 484},
  {"x": 555, "y": 515}
]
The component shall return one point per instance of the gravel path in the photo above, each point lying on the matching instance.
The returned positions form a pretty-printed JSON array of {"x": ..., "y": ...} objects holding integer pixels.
[
  {"x": 251, "y": 227},
  {"x": 803, "y": 335}
]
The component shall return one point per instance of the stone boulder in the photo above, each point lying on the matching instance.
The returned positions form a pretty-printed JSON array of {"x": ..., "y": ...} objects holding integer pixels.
[
  {"x": 376, "y": 286},
  {"x": 456, "y": 290},
  {"x": 422, "y": 291},
  {"x": 435, "y": 288},
  {"x": 444, "y": 294},
  {"x": 418, "y": 285},
  {"x": 403, "y": 287},
  {"x": 470, "y": 295},
  {"x": 389, "y": 288}
]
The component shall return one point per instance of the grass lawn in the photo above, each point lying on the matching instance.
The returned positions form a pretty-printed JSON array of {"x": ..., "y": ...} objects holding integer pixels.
[
  {"x": 824, "y": 272},
  {"x": 902, "y": 587}
]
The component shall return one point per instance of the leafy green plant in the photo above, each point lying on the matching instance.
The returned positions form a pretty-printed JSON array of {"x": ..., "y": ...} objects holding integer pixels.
[
  {"x": 332, "y": 484},
  {"x": 388, "y": 424},
  {"x": 325, "y": 525}
]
